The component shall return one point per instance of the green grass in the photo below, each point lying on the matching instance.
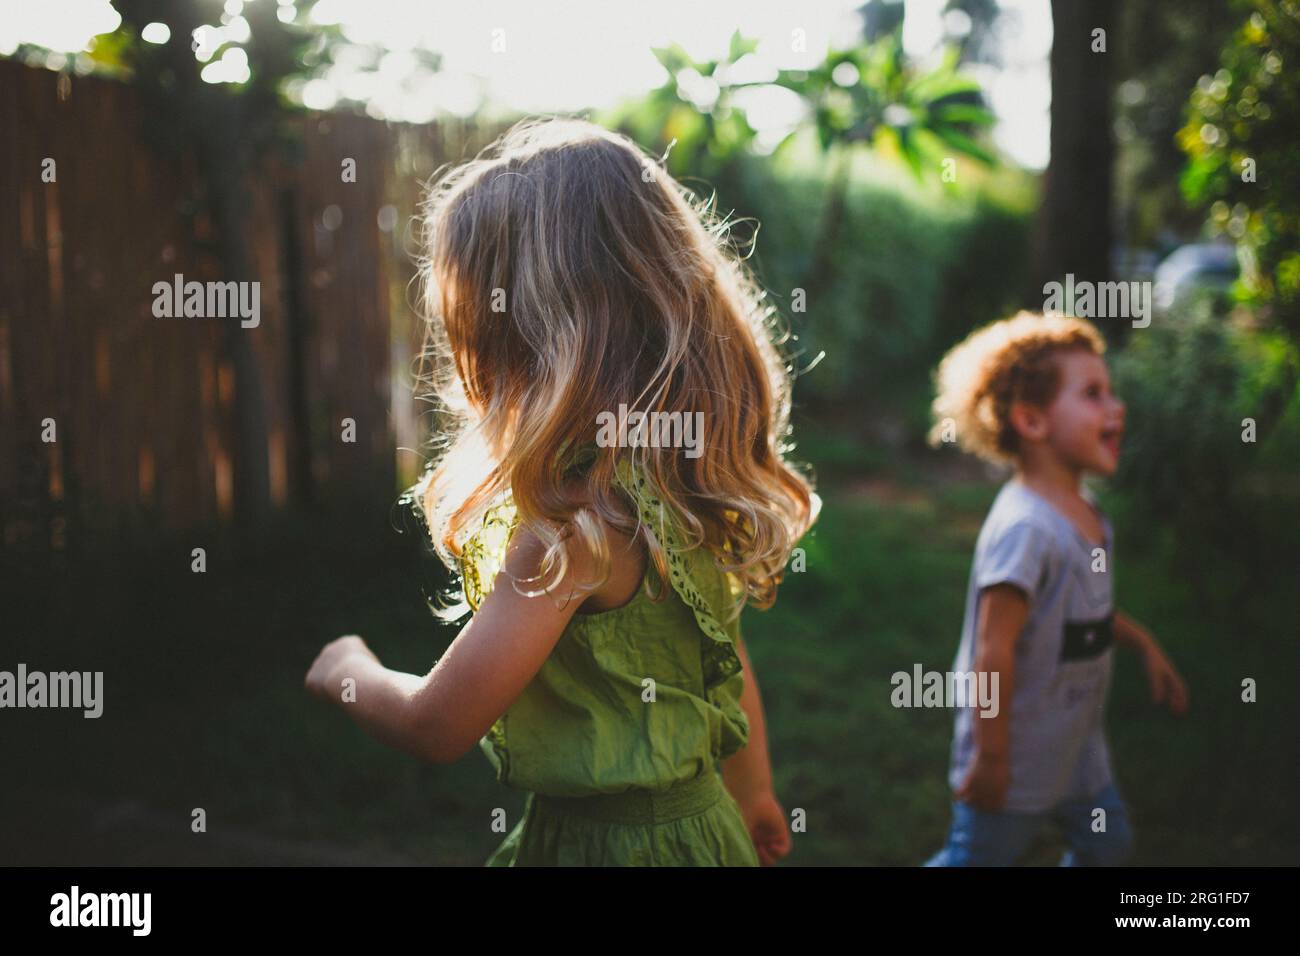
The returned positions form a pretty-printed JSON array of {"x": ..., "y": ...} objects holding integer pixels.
[
  {"x": 205, "y": 706},
  {"x": 884, "y": 590}
]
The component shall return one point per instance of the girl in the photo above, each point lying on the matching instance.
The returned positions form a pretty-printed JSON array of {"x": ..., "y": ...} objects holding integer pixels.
[{"x": 573, "y": 284}]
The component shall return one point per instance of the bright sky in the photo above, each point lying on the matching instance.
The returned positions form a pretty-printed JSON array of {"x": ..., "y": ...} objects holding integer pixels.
[{"x": 541, "y": 57}]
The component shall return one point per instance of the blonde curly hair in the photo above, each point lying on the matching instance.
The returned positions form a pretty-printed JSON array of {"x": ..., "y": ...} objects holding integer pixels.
[
  {"x": 623, "y": 289},
  {"x": 1009, "y": 361}
]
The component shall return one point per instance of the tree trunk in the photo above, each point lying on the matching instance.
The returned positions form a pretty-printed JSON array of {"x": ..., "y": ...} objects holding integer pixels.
[
  {"x": 193, "y": 117},
  {"x": 1074, "y": 222},
  {"x": 224, "y": 175}
]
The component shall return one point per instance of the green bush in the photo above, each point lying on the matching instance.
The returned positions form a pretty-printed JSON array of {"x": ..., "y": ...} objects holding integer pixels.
[
  {"x": 914, "y": 270},
  {"x": 1224, "y": 510},
  {"x": 1241, "y": 141}
]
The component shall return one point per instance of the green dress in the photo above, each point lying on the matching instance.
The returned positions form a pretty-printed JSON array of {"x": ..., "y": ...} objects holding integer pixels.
[{"x": 616, "y": 740}]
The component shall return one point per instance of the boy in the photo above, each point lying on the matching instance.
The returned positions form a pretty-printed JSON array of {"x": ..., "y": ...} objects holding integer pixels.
[{"x": 1034, "y": 392}]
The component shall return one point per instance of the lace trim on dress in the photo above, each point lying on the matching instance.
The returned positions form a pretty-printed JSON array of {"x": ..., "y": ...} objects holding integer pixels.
[
  {"x": 483, "y": 555},
  {"x": 685, "y": 567}
]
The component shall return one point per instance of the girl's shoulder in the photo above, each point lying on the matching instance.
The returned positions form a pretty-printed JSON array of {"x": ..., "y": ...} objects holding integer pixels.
[
  {"x": 629, "y": 558},
  {"x": 694, "y": 576},
  {"x": 484, "y": 551}
]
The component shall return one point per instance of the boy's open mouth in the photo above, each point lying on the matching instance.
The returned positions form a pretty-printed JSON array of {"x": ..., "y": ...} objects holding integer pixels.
[{"x": 1110, "y": 438}]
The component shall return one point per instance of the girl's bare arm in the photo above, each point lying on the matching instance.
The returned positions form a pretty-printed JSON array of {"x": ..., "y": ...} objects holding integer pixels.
[
  {"x": 749, "y": 770},
  {"x": 441, "y": 716}
]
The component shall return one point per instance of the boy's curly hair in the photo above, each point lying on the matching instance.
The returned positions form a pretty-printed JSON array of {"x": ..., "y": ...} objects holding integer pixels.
[{"x": 1008, "y": 361}]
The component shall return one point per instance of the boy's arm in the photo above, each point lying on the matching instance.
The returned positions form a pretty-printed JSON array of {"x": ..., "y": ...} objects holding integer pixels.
[
  {"x": 1131, "y": 634},
  {"x": 1003, "y": 611},
  {"x": 748, "y": 771},
  {"x": 1167, "y": 685}
]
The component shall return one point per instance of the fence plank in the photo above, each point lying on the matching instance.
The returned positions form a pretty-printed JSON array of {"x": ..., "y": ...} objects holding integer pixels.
[{"x": 144, "y": 405}]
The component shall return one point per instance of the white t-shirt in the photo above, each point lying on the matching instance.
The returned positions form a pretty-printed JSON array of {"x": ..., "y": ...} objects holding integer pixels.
[{"x": 1063, "y": 657}]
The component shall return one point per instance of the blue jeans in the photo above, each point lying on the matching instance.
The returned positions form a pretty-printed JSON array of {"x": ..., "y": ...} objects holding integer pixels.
[{"x": 979, "y": 838}]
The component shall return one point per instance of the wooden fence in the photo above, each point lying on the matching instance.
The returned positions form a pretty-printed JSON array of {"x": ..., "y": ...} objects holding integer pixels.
[{"x": 114, "y": 420}]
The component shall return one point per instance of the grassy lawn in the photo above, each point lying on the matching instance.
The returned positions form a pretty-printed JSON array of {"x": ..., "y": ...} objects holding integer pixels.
[{"x": 205, "y": 707}]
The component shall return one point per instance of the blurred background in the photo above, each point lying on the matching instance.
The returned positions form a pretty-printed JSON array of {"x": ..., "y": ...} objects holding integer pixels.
[{"x": 897, "y": 173}]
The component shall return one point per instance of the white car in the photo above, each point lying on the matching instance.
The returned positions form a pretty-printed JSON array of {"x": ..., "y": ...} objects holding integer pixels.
[{"x": 1192, "y": 268}]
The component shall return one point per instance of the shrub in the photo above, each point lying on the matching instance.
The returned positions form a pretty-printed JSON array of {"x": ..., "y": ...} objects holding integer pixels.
[
  {"x": 1241, "y": 140},
  {"x": 1222, "y": 508},
  {"x": 913, "y": 273}
]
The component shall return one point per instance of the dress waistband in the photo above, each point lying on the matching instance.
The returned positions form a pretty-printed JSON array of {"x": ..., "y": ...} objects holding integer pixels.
[{"x": 684, "y": 799}]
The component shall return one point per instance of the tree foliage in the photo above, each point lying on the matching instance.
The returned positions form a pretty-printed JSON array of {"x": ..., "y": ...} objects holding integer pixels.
[{"x": 1240, "y": 138}]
